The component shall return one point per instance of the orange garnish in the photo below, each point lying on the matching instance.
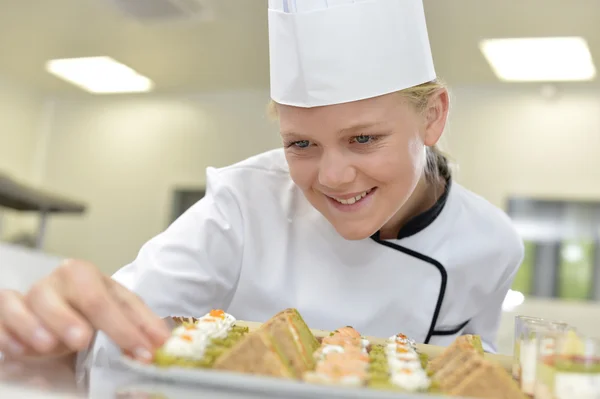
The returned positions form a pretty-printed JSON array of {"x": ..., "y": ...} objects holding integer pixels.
[
  {"x": 217, "y": 313},
  {"x": 191, "y": 327},
  {"x": 401, "y": 349},
  {"x": 187, "y": 337},
  {"x": 406, "y": 371}
]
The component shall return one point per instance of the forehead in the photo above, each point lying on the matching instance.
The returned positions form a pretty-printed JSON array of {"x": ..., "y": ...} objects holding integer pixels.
[{"x": 379, "y": 110}]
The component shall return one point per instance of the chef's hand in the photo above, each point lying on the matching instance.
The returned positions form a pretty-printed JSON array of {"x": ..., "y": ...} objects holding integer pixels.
[{"x": 61, "y": 312}]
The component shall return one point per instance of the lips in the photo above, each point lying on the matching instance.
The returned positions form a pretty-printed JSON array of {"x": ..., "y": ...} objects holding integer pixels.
[{"x": 353, "y": 199}]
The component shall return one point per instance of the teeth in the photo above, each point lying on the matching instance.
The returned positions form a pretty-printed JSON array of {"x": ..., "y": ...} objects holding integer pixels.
[{"x": 352, "y": 200}]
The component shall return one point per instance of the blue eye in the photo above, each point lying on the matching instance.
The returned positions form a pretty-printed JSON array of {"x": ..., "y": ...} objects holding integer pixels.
[
  {"x": 362, "y": 139},
  {"x": 301, "y": 143}
]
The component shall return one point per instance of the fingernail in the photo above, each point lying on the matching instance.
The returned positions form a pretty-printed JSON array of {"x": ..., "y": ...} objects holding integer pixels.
[
  {"x": 75, "y": 336},
  {"x": 142, "y": 354},
  {"x": 42, "y": 336}
]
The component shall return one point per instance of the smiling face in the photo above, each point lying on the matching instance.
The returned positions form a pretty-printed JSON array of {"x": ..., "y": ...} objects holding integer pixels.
[{"x": 358, "y": 163}]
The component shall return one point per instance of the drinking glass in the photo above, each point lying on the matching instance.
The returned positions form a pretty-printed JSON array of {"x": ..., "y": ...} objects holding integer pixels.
[
  {"x": 571, "y": 370},
  {"x": 528, "y": 331},
  {"x": 516, "y": 365}
]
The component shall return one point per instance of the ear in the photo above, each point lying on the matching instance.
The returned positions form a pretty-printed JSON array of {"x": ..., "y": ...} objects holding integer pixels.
[{"x": 436, "y": 116}]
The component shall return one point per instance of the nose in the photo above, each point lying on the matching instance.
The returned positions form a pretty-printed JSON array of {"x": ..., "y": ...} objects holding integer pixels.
[{"x": 335, "y": 170}]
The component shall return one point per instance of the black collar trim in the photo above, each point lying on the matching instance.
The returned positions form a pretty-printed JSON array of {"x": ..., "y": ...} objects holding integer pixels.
[
  {"x": 423, "y": 220},
  {"x": 443, "y": 281}
]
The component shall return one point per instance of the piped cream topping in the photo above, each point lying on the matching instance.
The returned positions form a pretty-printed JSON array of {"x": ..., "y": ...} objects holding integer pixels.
[
  {"x": 416, "y": 380},
  {"x": 191, "y": 340},
  {"x": 401, "y": 339},
  {"x": 330, "y": 349},
  {"x": 404, "y": 364}
]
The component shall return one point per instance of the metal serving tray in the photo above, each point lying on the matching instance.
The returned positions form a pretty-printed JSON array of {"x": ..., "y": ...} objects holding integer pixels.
[{"x": 180, "y": 382}]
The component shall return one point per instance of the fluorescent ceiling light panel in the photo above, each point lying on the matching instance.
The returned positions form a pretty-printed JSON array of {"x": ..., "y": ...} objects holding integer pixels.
[
  {"x": 99, "y": 75},
  {"x": 549, "y": 59}
]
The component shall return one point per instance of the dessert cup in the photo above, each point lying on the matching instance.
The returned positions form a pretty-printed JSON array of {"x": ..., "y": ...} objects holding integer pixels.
[
  {"x": 528, "y": 332},
  {"x": 571, "y": 370}
]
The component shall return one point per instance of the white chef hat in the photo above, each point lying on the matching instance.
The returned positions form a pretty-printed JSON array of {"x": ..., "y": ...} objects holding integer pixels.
[{"x": 326, "y": 52}]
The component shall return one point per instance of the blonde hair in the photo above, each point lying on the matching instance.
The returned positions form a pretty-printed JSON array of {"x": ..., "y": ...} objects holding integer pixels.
[{"x": 437, "y": 165}]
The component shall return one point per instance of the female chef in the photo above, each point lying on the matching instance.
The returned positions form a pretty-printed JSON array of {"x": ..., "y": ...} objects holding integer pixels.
[{"x": 355, "y": 221}]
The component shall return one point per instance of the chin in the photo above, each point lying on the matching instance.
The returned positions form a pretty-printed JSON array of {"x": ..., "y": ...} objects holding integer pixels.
[{"x": 354, "y": 233}]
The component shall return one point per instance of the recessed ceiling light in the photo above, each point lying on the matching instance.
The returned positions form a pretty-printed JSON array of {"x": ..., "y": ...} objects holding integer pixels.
[
  {"x": 548, "y": 59},
  {"x": 99, "y": 75}
]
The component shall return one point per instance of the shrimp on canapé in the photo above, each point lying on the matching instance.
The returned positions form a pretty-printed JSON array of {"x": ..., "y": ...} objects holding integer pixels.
[{"x": 342, "y": 358}]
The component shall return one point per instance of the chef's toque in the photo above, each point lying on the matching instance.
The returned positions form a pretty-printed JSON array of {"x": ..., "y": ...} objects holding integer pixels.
[{"x": 326, "y": 52}]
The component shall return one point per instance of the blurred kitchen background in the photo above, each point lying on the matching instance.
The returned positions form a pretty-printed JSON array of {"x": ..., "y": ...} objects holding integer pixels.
[{"x": 93, "y": 170}]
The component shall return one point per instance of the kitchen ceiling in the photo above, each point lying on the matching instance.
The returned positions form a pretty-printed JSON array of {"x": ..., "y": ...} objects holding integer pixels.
[{"x": 230, "y": 51}]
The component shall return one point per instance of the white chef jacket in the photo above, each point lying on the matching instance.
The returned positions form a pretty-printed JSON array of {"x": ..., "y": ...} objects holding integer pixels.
[{"x": 254, "y": 246}]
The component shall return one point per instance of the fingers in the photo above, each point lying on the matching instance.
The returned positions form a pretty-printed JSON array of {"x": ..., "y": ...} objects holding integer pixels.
[
  {"x": 61, "y": 321},
  {"x": 86, "y": 291},
  {"x": 22, "y": 333},
  {"x": 10, "y": 345},
  {"x": 139, "y": 314},
  {"x": 20, "y": 328},
  {"x": 61, "y": 312}
]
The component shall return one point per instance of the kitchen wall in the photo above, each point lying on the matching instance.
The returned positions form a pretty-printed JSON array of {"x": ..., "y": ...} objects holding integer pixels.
[
  {"x": 125, "y": 155},
  {"x": 21, "y": 123},
  {"x": 516, "y": 141}
]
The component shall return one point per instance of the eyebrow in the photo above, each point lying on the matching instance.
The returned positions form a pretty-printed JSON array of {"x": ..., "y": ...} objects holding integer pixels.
[
  {"x": 349, "y": 129},
  {"x": 359, "y": 127},
  {"x": 291, "y": 135}
]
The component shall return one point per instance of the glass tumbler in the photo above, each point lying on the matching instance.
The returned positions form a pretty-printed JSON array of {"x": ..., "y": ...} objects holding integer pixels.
[
  {"x": 516, "y": 364},
  {"x": 528, "y": 334},
  {"x": 571, "y": 370}
]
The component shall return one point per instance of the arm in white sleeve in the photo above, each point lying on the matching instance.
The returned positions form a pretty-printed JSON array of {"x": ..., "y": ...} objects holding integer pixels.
[
  {"x": 487, "y": 322},
  {"x": 194, "y": 265},
  {"x": 186, "y": 270}
]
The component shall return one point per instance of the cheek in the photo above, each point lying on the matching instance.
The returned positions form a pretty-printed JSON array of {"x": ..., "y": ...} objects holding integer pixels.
[
  {"x": 302, "y": 172},
  {"x": 400, "y": 164}
]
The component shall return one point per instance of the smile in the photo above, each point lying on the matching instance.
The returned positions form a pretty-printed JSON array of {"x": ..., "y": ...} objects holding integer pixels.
[{"x": 352, "y": 200}]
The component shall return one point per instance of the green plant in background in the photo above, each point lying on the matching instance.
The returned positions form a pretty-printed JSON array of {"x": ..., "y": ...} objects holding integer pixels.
[
  {"x": 524, "y": 279},
  {"x": 576, "y": 269}
]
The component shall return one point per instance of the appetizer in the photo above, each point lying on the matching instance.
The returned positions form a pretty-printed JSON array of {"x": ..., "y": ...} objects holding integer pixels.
[{"x": 200, "y": 342}]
